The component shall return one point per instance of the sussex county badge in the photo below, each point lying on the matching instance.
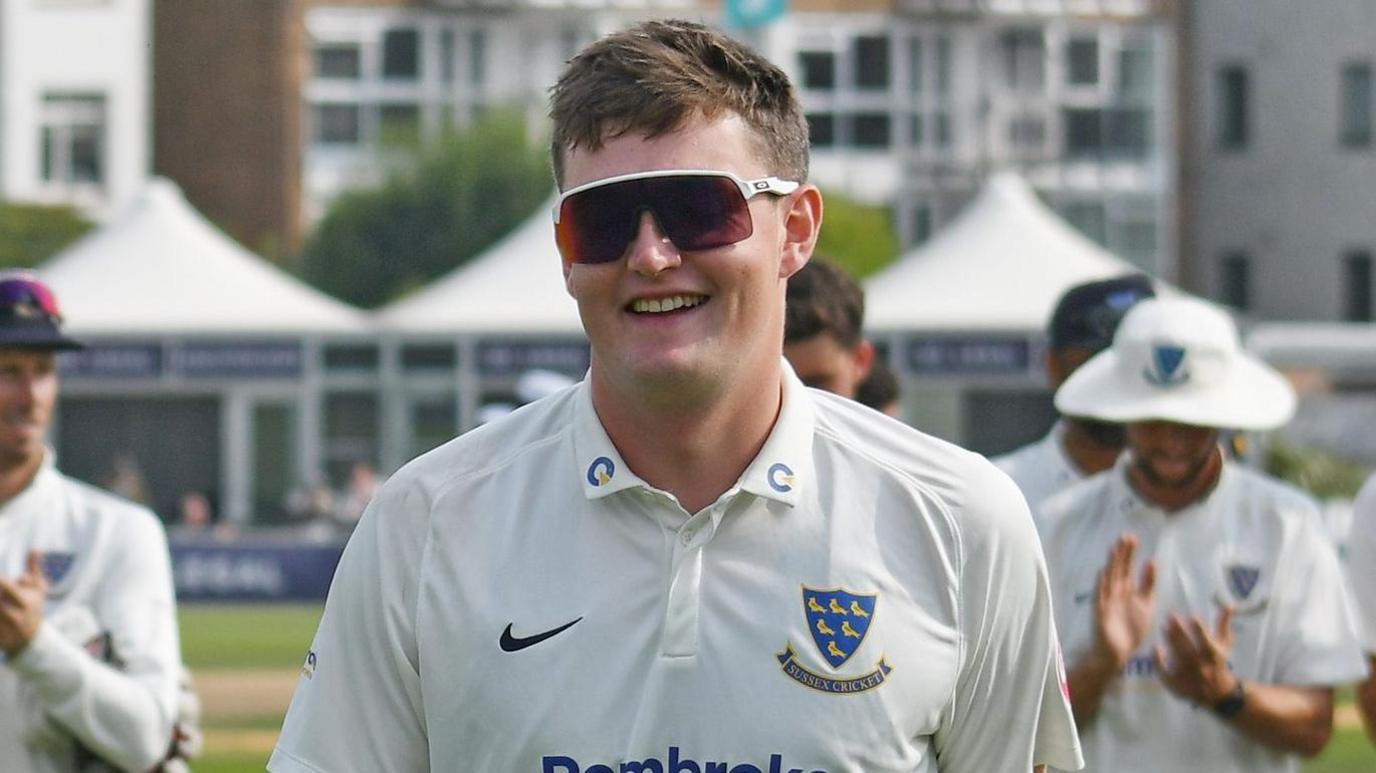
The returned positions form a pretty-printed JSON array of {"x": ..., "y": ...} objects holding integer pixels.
[{"x": 838, "y": 621}]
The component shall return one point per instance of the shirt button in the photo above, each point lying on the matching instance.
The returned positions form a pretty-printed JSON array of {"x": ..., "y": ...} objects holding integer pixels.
[{"x": 687, "y": 536}]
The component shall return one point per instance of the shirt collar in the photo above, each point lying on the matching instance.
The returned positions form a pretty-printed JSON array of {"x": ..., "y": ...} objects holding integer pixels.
[
  {"x": 778, "y": 472},
  {"x": 47, "y": 472}
]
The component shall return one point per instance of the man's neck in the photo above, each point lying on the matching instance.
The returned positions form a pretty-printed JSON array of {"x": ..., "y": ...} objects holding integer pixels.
[
  {"x": 1173, "y": 498},
  {"x": 695, "y": 450},
  {"x": 1085, "y": 451},
  {"x": 16, "y": 474}
]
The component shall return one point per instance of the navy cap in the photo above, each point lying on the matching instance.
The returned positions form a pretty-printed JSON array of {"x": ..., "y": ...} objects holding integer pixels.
[
  {"x": 29, "y": 316},
  {"x": 1088, "y": 314}
]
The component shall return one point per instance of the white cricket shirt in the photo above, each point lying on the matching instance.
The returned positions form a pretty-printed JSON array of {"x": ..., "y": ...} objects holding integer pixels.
[
  {"x": 1361, "y": 562},
  {"x": 1252, "y": 543},
  {"x": 1041, "y": 469},
  {"x": 865, "y": 598},
  {"x": 110, "y": 596}
]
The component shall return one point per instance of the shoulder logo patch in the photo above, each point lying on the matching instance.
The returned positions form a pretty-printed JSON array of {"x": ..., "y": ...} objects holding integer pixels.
[{"x": 838, "y": 621}]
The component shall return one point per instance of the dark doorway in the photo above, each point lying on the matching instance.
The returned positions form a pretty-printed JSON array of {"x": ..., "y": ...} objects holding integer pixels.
[{"x": 154, "y": 448}]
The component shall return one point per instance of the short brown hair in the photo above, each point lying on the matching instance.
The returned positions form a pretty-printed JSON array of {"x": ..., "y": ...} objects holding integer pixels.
[
  {"x": 656, "y": 76},
  {"x": 823, "y": 298}
]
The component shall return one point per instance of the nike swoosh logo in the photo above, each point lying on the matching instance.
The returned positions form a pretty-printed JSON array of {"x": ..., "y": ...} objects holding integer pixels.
[
  {"x": 511, "y": 643},
  {"x": 1081, "y": 598}
]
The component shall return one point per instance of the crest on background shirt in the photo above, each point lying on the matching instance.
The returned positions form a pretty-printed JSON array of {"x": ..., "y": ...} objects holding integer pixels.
[
  {"x": 1242, "y": 580},
  {"x": 1240, "y": 587},
  {"x": 57, "y": 565},
  {"x": 838, "y": 621}
]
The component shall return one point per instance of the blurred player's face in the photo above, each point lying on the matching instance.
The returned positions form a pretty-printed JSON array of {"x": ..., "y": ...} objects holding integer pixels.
[
  {"x": 1169, "y": 455},
  {"x": 666, "y": 321},
  {"x": 822, "y": 362},
  {"x": 28, "y": 391}
]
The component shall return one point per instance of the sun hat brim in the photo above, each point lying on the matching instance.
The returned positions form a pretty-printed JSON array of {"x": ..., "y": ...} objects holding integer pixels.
[{"x": 1250, "y": 396}]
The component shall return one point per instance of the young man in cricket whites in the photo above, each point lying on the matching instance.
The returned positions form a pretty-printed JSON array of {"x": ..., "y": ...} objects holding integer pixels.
[{"x": 688, "y": 561}]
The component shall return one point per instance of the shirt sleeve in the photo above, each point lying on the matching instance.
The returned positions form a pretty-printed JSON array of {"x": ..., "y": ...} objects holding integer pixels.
[
  {"x": 1321, "y": 644},
  {"x": 1361, "y": 563},
  {"x": 357, "y": 705},
  {"x": 122, "y": 712},
  {"x": 1010, "y": 710}
]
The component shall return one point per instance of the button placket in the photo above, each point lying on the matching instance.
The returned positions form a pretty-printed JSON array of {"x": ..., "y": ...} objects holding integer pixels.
[{"x": 680, "y": 637}]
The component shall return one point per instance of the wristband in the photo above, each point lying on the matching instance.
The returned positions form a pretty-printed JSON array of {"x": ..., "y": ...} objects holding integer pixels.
[{"x": 1231, "y": 704}]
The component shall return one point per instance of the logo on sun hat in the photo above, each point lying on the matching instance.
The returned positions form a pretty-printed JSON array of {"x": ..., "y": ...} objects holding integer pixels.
[
  {"x": 1178, "y": 360},
  {"x": 1165, "y": 368},
  {"x": 29, "y": 314}
]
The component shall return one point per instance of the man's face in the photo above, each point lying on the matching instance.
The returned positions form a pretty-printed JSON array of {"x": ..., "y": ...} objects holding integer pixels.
[
  {"x": 822, "y": 362},
  {"x": 1171, "y": 455},
  {"x": 727, "y": 303},
  {"x": 28, "y": 391}
]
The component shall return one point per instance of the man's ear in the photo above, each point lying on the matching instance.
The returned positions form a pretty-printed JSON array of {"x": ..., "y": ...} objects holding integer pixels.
[
  {"x": 802, "y": 223},
  {"x": 864, "y": 358}
]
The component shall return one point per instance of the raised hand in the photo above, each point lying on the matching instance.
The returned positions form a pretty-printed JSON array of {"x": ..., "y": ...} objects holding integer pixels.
[
  {"x": 21, "y": 606},
  {"x": 1196, "y": 665},
  {"x": 1124, "y": 610}
]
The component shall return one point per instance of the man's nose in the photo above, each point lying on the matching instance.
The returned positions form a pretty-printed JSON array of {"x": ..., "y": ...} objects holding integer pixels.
[{"x": 650, "y": 251}]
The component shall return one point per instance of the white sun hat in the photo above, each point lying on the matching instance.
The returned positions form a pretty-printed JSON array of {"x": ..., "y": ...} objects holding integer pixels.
[{"x": 1179, "y": 360}]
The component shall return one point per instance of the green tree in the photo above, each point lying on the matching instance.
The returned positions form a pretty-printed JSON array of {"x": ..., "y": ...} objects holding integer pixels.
[
  {"x": 858, "y": 237},
  {"x": 440, "y": 205},
  {"x": 32, "y": 233}
]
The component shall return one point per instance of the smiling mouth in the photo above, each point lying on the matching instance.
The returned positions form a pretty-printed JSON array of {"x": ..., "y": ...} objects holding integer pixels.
[{"x": 665, "y": 305}]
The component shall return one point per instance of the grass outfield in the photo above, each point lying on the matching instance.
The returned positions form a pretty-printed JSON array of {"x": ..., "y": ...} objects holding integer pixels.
[{"x": 265, "y": 644}]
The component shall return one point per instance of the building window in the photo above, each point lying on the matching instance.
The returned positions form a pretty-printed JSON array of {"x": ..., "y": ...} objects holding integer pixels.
[
  {"x": 1357, "y": 278},
  {"x": 915, "y": 130},
  {"x": 337, "y": 124},
  {"x": 1024, "y": 59},
  {"x": 1136, "y": 82},
  {"x": 943, "y": 130},
  {"x": 338, "y": 61},
  {"x": 72, "y": 135},
  {"x": 819, "y": 70},
  {"x": 943, "y": 65},
  {"x": 871, "y": 130},
  {"x": 922, "y": 223},
  {"x": 915, "y": 65},
  {"x": 447, "y": 55},
  {"x": 1082, "y": 62},
  {"x": 401, "y": 54},
  {"x": 477, "y": 57},
  {"x": 1084, "y": 133},
  {"x": 821, "y": 129},
  {"x": 872, "y": 62},
  {"x": 1234, "y": 280},
  {"x": 1233, "y": 107},
  {"x": 1027, "y": 132},
  {"x": 1356, "y": 105}
]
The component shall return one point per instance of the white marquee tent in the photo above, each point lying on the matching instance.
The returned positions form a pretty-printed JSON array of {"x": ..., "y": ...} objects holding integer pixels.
[
  {"x": 162, "y": 268},
  {"x": 514, "y": 287},
  {"x": 999, "y": 266}
]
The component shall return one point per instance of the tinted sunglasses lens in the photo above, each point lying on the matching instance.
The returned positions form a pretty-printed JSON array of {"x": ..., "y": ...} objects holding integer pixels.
[
  {"x": 700, "y": 213},
  {"x": 696, "y": 212},
  {"x": 596, "y": 225}
]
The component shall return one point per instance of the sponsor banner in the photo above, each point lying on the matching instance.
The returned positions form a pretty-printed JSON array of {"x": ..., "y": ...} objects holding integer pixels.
[
  {"x": 969, "y": 356},
  {"x": 239, "y": 359},
  {"x": 208, "y": 571},
  {"x": 512, "y": 357},
  {"x": 113, "y": 361}
]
